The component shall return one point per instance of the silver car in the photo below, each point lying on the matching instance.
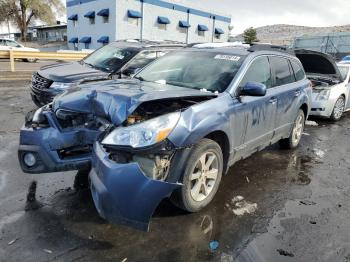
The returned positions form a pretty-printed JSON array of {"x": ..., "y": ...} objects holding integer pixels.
[{"x": 330, "y": 82}]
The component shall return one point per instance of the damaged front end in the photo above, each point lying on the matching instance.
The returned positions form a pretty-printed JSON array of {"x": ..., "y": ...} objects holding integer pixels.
[{"x": 58, "y": 141}]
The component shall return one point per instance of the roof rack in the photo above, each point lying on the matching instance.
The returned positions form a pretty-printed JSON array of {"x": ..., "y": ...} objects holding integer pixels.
[{"x": 269, "y": 47}]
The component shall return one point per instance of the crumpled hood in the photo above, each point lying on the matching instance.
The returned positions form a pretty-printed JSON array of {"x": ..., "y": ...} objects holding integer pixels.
[
  {"x": 317, "y": 63},
  {"x": 115, "y": 100},
  {"x": 71, "y": 72}
]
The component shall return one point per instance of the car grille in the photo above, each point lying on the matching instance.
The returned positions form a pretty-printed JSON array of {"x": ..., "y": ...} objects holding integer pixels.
[{"x": 39, "y": 82}]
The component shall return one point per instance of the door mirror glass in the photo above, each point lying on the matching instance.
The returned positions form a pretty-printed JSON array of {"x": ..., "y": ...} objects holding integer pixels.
[{"x": 253, "y": 89}]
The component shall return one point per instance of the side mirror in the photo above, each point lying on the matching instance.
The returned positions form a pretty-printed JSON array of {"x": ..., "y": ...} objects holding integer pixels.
[
  {"x": 131, "y": 71},
  {"x": 253, "y": 89},
  {"x": 18, "y": 46}
]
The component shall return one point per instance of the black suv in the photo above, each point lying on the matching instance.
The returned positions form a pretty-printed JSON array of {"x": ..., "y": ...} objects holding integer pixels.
[{"x": 120, "y": 59}]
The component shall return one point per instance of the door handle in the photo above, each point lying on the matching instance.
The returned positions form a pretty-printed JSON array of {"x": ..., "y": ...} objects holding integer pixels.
[
  {"x": 297, "y": 93},
  {"x": 273, "y": 100}
]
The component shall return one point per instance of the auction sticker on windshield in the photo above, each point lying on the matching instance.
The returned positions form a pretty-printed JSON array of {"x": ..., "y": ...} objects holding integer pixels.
[{"x": 227, "y": 57}]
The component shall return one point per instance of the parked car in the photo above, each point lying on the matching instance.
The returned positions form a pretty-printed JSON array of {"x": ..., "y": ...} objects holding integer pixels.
[
  {"x": 118, "y": 60},
  {"x": 345, "y": 60},
  {"x": 9, "y": 44},
  {"x": 331, "y": 90},
  {"x": 172, "y": 130}
]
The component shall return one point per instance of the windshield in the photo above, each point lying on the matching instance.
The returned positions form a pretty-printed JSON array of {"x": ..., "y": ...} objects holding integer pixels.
[
  {"x": 343, "y": 71},
  {"x": 110, "y": 58},
  {"x": 194, "y": 69}
]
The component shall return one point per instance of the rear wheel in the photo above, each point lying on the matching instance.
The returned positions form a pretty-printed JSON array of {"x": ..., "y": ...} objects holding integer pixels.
[
  {"x": 201, "y": 178},
  {"x": 298, "y": 128},
  {"x": 338, "y": 109},
  {"x": 30, "y": 60}
]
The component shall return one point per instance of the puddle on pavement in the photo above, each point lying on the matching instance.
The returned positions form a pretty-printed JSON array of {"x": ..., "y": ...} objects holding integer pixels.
[{"x": 247, "y": 199}]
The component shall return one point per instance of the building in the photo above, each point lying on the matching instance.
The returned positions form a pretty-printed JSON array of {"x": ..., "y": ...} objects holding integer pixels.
[
  {"x": 93, "y": 23},
  {"x": 45, "y": 34},
  {"x": 335, "y": 44}
]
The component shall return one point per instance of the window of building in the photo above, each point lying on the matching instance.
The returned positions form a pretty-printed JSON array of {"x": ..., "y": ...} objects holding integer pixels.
[
  {"x": 92, "y": 20},
  {"x": 201, "y": 33},
  {"x": 133, "y": 21},
  {"x": 105, "y": 19},
  {"x": 75, "y": 23},
  {"x": 281, "y": 71},
  {"x": 86, "y": 45},
  {"x": 258, "y": 72},
  {"x": 162, "y": 26},
  {"x": 217, "y": 36},
  {"x": 183, "y": 30}
]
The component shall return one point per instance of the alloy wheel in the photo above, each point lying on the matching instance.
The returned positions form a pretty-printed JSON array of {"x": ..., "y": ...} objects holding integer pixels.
[{"x": 204, "y": 176}]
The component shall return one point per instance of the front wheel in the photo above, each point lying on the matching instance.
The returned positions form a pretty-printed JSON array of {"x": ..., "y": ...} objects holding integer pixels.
[
  {"x": 338, "y": 109},
  {"x": 201, "y": 178},
  {"x": 294, "y": 138}
]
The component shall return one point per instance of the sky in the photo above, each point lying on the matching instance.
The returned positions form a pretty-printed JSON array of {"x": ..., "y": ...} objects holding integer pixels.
[{"x": 256, "y": 13}]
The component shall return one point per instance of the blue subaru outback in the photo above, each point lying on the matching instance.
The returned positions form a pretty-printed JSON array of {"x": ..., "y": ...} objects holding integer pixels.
[{"x": 172, "y": 130}]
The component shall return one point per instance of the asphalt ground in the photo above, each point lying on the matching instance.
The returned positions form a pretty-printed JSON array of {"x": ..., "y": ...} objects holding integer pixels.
[{"x": 277, "y": 205}]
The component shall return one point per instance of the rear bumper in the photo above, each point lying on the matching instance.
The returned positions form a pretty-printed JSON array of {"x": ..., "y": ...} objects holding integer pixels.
[
  {"x": 122, "y": 193},
  {"x": 45, "y": 143}
]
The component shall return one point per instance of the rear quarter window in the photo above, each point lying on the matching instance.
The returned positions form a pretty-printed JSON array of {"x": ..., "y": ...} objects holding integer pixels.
[
  {"x": 298, "y": 70},
  {"x": 281, "y": 71}
]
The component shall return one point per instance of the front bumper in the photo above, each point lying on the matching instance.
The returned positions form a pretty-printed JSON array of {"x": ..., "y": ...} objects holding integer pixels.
[
  {"x": 122, "y": 193},
  {"x": 45, "y": 144},
  {"x": 321, "y": 108}
]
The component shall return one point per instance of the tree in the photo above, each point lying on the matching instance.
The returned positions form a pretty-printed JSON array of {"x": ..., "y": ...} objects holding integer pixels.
[
  {"x": 249, "y": 35},
  {"x": 23, "y": 12}
]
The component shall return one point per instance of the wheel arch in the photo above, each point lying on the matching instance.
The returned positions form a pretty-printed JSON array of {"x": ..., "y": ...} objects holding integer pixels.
[{"x": 223, "y": 141}]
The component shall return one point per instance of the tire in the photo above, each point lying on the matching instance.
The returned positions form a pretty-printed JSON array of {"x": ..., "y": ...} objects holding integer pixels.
[
  {"x": 295, "y": 135},
  {"x": 30, "y": 60},
  {"x": 198, "y": 189},
  {"x": 338, "y": 109}
]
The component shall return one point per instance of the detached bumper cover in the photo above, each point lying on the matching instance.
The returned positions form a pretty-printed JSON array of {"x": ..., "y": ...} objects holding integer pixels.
[
  {"x": 44, "y": 143},
  {"x": 122, "y": 193}
]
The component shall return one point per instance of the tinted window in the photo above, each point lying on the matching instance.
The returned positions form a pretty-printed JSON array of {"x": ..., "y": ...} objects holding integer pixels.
[
  {"x": 110, "y": 58},
  {"x": 280, "y": 68},
  {"x": 142, "y": 59},
  {"x": 259, "y": 71},
  {"x": 298, "y": 70}
]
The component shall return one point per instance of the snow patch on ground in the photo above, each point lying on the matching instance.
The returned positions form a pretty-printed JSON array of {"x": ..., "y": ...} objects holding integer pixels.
[
  {"x": 311, "y": 123},
  {"x": 241, "y": 206}
]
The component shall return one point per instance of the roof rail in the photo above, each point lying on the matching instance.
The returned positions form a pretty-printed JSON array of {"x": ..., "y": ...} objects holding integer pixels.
[{"x": 269, "y": 47}]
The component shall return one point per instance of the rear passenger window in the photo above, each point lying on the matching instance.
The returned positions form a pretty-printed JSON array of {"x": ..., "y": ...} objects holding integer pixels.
[
  {"x": 298, "y": 70},
  {"x": 281, "y": 70},
  {"x": 259, "y": 72}
]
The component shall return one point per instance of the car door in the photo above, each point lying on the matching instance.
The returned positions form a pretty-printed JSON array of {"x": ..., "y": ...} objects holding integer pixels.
[
  {"x": 259, "y": 112},
  {"x": 287, "y": 92}
]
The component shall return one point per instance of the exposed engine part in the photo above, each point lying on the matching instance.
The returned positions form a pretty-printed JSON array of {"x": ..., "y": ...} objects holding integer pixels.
[
  {"x": 322, "y": 81},
  {"x": 155, "y": 167},
  {"x": 152, "y": 109}
]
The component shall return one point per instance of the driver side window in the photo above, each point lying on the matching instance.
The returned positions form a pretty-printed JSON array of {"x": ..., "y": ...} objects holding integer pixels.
[{"x": 259, "y": 72}]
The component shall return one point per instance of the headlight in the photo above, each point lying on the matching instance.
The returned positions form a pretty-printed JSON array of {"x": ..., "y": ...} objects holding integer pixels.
[
  {"x": 144, "y": 134},
  {"x": 323, "y": 95},
  {"x": 60, "y": 85}
]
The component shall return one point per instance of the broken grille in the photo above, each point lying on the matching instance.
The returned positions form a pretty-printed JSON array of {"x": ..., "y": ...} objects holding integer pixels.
[{"x": 39, "y": 82}]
